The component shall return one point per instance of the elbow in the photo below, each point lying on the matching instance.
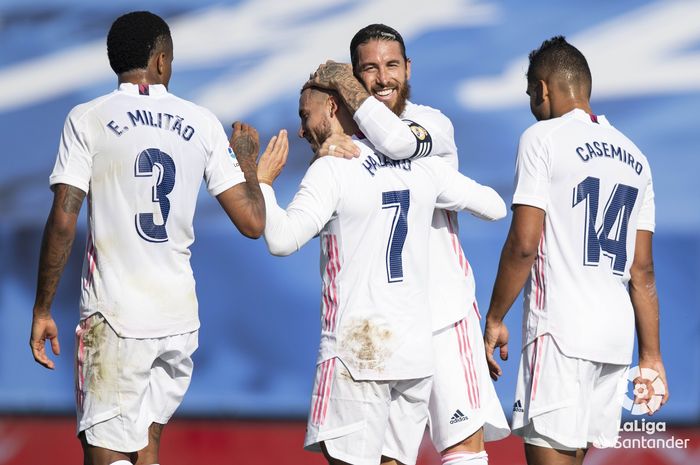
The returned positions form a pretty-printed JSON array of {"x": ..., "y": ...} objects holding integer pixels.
[
  {"x": 253, "y": 230},
  {"x": 278, "y": 250},
  {"x": 500, "y": 211}
]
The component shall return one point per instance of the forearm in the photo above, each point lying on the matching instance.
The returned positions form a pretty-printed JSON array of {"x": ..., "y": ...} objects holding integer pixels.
[
  {"x": 513, "y": 270},
  {"x": 56, "y": 245},
  {"x": 642, "y": 289},
  {"x": 286, "y": 231},
  {"x": 253, "y": 202},
  {"x": 351, "y": 91},
  {"x": 386, "y": 131},
  {"x": 464, "y": 194}
]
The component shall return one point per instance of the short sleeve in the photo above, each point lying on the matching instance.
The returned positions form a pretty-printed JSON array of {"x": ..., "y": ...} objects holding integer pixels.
[
  {"x": 74, "y": 162},
  {"x": 647, "y": 212},
  {"x": 222, "y": 170},
  {"x": 532, "y": 172}
]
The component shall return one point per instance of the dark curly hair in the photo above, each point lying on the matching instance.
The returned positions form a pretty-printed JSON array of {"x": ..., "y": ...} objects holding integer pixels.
[
  {"x": 556, "y": 55},
  {"x": 133, "y": 38},
  {"x": 374, "y": 32}
]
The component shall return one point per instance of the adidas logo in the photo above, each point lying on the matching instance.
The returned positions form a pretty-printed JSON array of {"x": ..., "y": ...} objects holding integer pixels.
[
  {"x": 518, "y": 407},
  {"x": 457, "y": 417}
]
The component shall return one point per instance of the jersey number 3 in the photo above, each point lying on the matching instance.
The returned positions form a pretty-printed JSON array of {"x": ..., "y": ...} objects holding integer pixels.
[
  {"x": 615, "y": 220},
  {"x": 152, "y": 163},
  {"x": 399, "y": 201}
]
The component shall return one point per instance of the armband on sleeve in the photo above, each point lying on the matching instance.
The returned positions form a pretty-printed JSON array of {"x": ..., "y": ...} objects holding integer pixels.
[{"x": 424, "y": 142}]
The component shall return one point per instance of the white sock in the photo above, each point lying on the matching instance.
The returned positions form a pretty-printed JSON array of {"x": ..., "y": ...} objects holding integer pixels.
[
  {"x": 121, "y": 462},
  {"x": 465, "y": 458}
]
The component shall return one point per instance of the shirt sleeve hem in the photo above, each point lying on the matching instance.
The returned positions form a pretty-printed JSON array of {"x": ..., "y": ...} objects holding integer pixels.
[
  {"x": 530, "y": 201},
  {"x": 70, "y": 180},
  {"x": 221, "y": 187}
]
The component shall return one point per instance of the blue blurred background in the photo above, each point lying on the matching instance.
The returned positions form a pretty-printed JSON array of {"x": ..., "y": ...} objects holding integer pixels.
[{"x": 246, "y": 60}]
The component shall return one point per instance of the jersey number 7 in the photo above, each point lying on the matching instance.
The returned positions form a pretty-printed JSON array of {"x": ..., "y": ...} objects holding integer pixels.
[{"x": 399, "y": 201}]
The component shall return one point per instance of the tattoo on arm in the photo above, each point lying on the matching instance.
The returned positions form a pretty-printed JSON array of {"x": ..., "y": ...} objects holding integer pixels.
[
  {"x": 56, "y": 243},
  {"x": 352, "y": 92}
]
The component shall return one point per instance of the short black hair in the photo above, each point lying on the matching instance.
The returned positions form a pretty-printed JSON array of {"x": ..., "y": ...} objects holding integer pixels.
[
  {"x": 133, "y": 38},
  {"x": 556, "y": 55},
  {"x": 374, "y": 32}
]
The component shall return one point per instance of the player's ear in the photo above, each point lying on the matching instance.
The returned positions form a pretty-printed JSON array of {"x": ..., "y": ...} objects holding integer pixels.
[
  {"x": 541, "y": 92},
  {"x": 332, "y": 105},
  {"x": 160, "y": 62},
  {"x": 408, "y": 69}
]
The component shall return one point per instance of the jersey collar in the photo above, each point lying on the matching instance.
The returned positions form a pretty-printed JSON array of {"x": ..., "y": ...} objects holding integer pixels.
[
  {"x": 143, "y": 89},
  {"x": 581, "y": 115}
]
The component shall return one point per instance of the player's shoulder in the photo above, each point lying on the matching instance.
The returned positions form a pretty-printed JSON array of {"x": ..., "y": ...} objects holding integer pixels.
[
  {"x": 415, "y": 111},
  {"x": 539, "y": 132},
  {"x": 79, "y": 111},
  {"x": 195, "y": 108}
]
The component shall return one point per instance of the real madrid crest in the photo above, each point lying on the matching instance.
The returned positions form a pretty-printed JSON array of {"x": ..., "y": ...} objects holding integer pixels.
[{"x": 419, "y": 132}]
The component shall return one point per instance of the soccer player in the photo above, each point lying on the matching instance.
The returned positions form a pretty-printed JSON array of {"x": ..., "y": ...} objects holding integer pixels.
[
  {"x": 583, "y": 219},
  {"x": 464, "y": 407},
  {"x": 139, "y": 154},
  {"x": 373, "y": 217}
]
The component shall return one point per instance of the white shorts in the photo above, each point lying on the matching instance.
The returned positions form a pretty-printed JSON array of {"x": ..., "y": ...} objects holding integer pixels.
[
  {"x": 463, "y": 398},
  {"x": 567, "y": 403},
  {"x": 351, "y": 417},
  {"x": 123, "y": 384}
]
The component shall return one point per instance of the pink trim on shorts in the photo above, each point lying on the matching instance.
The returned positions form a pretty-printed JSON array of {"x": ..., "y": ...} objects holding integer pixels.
[
  {"x": 323, "y": 392},
  {"x": 456, "y": 246},
  {"x": 330, "y": 292},
  {"x": 465, "y": 351},
  {"x": 539, "y": 343}
]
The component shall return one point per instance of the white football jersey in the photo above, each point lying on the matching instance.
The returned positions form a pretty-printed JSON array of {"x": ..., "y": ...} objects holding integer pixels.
[
  {"x": 452, "y": 286},
  {"x": 140, "y": 153},
  {"x": 595, "y": 187},
  {"x": 373, "y": 217}
]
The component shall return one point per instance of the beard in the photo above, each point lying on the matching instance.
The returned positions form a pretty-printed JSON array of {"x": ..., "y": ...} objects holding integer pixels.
[
  {"x": 404, "y": 93},
  {"x": 320, "y": 135}
]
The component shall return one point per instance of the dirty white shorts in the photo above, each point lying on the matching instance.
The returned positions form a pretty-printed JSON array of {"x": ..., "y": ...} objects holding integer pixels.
[
  {"x": 567, "y": 403},
  {"x": 352, "y": 417},
  {"x": 123, "y": 384}
]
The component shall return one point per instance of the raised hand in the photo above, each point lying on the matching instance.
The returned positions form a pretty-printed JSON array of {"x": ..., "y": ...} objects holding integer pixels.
[
  {"x": 273, "y": 158},
  {"x": 245, "y": 142}
]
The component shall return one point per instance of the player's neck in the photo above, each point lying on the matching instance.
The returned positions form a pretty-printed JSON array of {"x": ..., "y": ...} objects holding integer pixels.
[
  {"x": 564, "y": 107},
  {"x": 347, "y": 123},
  {"x": 140, "y": 76}
]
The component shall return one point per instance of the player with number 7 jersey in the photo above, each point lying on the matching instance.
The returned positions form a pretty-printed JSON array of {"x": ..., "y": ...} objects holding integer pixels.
[{"x": 373, "y": 217}]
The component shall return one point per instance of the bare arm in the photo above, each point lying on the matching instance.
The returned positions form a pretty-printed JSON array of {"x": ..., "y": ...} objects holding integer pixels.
[
  {"x": 645, "y": 301},
  {"x": 56, "y": 245},
  {"x": 517, "y": 258},
  {"x": 244, "y": 203},
  {"x": 339, "y": 77}
]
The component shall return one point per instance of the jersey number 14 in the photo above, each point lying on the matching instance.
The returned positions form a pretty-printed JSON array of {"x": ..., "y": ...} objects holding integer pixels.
[{"x": 615, "y": 220}]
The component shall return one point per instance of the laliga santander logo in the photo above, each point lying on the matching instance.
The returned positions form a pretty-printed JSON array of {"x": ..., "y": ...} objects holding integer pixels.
[{"x": 648, "y": 390}]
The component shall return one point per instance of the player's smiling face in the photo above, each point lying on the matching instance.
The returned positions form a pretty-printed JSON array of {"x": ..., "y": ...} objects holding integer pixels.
[
  {"x": 384, "y": 72},
  {"x": 314, "y": 116}
]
